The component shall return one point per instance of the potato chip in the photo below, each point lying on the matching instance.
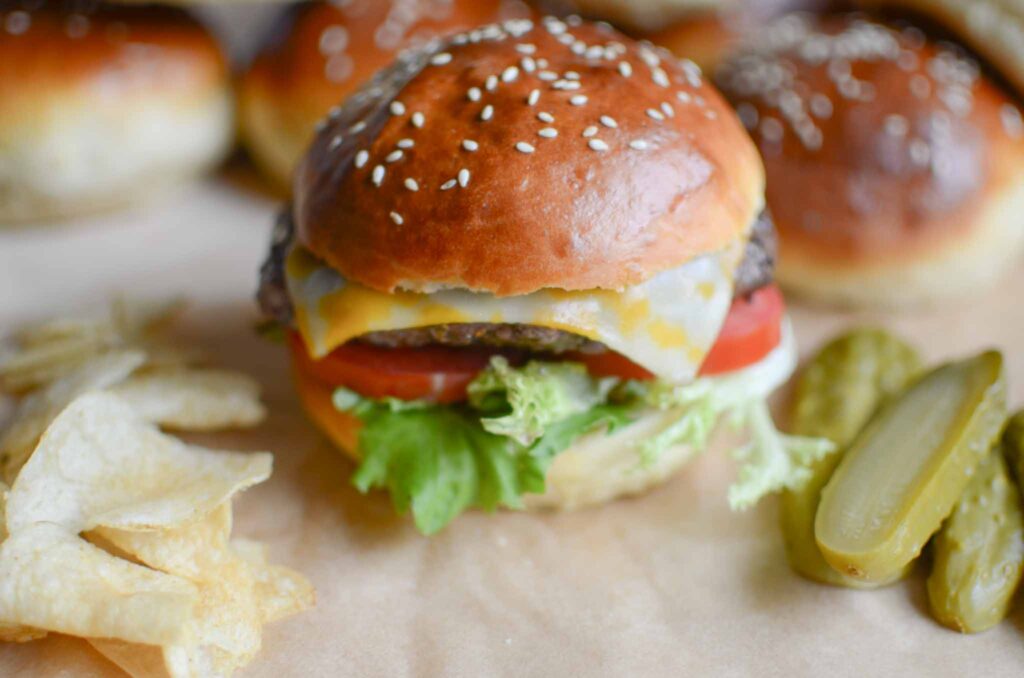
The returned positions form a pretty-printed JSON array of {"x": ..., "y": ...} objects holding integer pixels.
[
  {"x": 194, "y": 400},
  {"x": 238, "y": 593},
  {"x": 51, "y": 579},
  {"x": 99, "y": 464},
  {"x": 38, "y": 409},
  {"x": 38, "y": 365}
]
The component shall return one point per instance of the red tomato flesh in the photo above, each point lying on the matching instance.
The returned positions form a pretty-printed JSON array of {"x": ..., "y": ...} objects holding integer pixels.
[{"x": 441, "y": 374}]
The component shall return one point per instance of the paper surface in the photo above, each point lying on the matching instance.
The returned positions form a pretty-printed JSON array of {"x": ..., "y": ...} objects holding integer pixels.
[{"x": 668, "y": 584}]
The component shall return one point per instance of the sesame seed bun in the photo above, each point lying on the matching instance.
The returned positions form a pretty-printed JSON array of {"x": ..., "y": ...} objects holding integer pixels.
[
  {"x": 104, "y": 106},
  {"x": 895, "y": 167},
  {"x": 318, "y": 53},
  {"x": 994, "y": 29},
  {"x": 527, "y": 157}
]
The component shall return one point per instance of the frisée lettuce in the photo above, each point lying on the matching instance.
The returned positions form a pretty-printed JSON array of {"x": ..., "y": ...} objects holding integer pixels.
[{"x": 439, "y": 460}]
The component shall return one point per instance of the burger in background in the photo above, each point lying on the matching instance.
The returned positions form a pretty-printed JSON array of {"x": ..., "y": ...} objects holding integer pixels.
[
  {"x": 318, "y": 53},
  {"x": 104, "y": 105},
  {"x": 895, "y": 163},
  {"x": 529, "y": 266}
]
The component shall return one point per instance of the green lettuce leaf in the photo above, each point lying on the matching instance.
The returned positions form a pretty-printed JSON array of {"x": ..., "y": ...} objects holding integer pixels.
[
  {"x": 521, "y": 403},
  {"x": 438, "y": 461}
]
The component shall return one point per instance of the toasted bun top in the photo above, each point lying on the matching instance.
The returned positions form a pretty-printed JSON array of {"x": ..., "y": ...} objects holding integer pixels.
[
  {"x": 522, "y": 157},
  {"x": 318, "y": 52},
  {"x": 992, "y": 28},
  {"x": 59, "y": 47},
  {"x": 878, "y": 143}
]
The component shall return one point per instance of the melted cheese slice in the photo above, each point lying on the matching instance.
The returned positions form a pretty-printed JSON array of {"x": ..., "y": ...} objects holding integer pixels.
[{"x": 667, "y": 324}]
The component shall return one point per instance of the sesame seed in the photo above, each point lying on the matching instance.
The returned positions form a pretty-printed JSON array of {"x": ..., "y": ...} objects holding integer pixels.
[
  {"x": 528, "y": 64},
  {"x": 397, "y": 108},
  {"x": 334, "y": 113},
  {"x": 335, "y": 142},
  {"x": 418, "y": 120},
  {"x": 378, "y": 175},
  {"x": 449, "y": 185},
  {"x": 545, "y": 117},
  {"x": 579, "y": 48},
  {"x": 578, "y": 100},
  {"x": 412, "y": 185},
  {"x": 487, "y": 113},
  {"x": 524, "y": 147},
  {"x": 510, "y": 74},
  {"x": 667, "y": 109},
  {"x": 548, "y": 133},
  {"x": 896, "y": 125},
  {"x": 534, "y": 97},
  {"x": 362, "y": 157},
  {"x": 470, "y": 145},
  {"x": 548, "y": 76},
  {"x": 594, "y": 52},
  {"x": 566, "y": 85},
  {"x": 492, "y": 83},
  {"x": 526, "y": 48},
  {"x": 464, "y": 177},
  {"x": 625, "y": 69},
  {"x": 597, "y": 145},
  {"x": 394, "y": 157},
  {"x": 684, "y": 97},
  {"x": 474, "y": 94},
  {"x": 638, "y": 145},
  {"x": 566, "y": 39},
  {"x": 406, "y": 144},
  {"x": 397, "y": 218},
  {"x": 590, "y": 132},
  {"x": 357, "y": 128},
  {"x": 655, "y": 113},
  {"x": 660, "y": 78},
  {"x": 571, "y": 75},
  {"x": 442, "y": 59},
  {"x": 609, "y": 121}
]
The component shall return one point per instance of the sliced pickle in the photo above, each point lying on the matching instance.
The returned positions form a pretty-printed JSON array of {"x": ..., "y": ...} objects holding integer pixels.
[
  {"x": 1013, "y": 446},
  {"x": 979, "y": 552},
  {"x": 903, "y": 474},
  {"x": 837, "y": 393}
]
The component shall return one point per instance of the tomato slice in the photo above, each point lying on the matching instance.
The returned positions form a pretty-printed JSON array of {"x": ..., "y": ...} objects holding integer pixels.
[
  {"x": 441, "y": 374},
  {"x": 436, "y": 373},
  {"x": 752, "y": 330}
]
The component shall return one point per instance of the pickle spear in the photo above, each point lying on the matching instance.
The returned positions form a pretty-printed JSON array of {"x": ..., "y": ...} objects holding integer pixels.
[
  {"x": 903, "y": 474},
  {"x": 835, "y": 396},
  {"x": 979, "y": 552}
]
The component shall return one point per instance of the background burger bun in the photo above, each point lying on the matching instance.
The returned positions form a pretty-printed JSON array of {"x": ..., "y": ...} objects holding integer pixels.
[
  {"x": 598, "y": 468},
  {"x": 994, "y": 29},
  {"x": 533, "y": 156},
  {"x": 104, "y": 105},
  {"x": 318, "y": 53},
  {"x": 895, "y": 171}
]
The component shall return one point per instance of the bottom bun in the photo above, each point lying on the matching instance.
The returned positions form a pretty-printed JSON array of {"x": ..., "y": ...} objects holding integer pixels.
[{"x": 599, "y": 467}]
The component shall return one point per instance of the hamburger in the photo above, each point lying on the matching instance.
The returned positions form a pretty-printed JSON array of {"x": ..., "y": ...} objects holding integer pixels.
[
  {"x": 105, "y": 105},
  {"x": 529, "y": 266},
  {"x": 895, "y": 160}
]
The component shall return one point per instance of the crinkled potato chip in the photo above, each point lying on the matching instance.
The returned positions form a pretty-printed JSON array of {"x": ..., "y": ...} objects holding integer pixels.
[
  {"x": 99, "y": 464},
  {"x": 54, "y": 580},
  {"x": 236, "y": 597},
  {"x": 38, "y": 409},
  {"x": 194, "y": 399}
]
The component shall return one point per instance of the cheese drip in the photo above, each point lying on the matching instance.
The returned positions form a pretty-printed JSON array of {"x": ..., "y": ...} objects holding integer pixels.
[{"x": 666, "y": 324}]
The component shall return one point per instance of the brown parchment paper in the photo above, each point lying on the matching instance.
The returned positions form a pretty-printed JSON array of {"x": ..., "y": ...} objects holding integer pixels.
[{"x": 670, "y": 584}]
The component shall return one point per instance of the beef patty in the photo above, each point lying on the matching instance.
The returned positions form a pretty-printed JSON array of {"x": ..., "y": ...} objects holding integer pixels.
[{"x": 755, "y": 271}]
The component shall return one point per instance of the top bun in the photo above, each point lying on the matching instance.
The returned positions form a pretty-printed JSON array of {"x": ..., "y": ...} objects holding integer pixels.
[
  {"x": 992, "y": 28},
  {"x": 319, "y": 53},
  {"x": 527, "y": 156},
  {"x": 647, "y": 15}
]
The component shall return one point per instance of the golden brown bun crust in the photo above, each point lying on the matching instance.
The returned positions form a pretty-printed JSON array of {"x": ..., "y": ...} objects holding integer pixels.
[
  {"x": 54, "y": 46},
  {"x": 881, "y": 164},
  {"x": 992, "y": 28},
  {"x": 318, "y": 53},
  {"x": 639, "y": 172}
]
